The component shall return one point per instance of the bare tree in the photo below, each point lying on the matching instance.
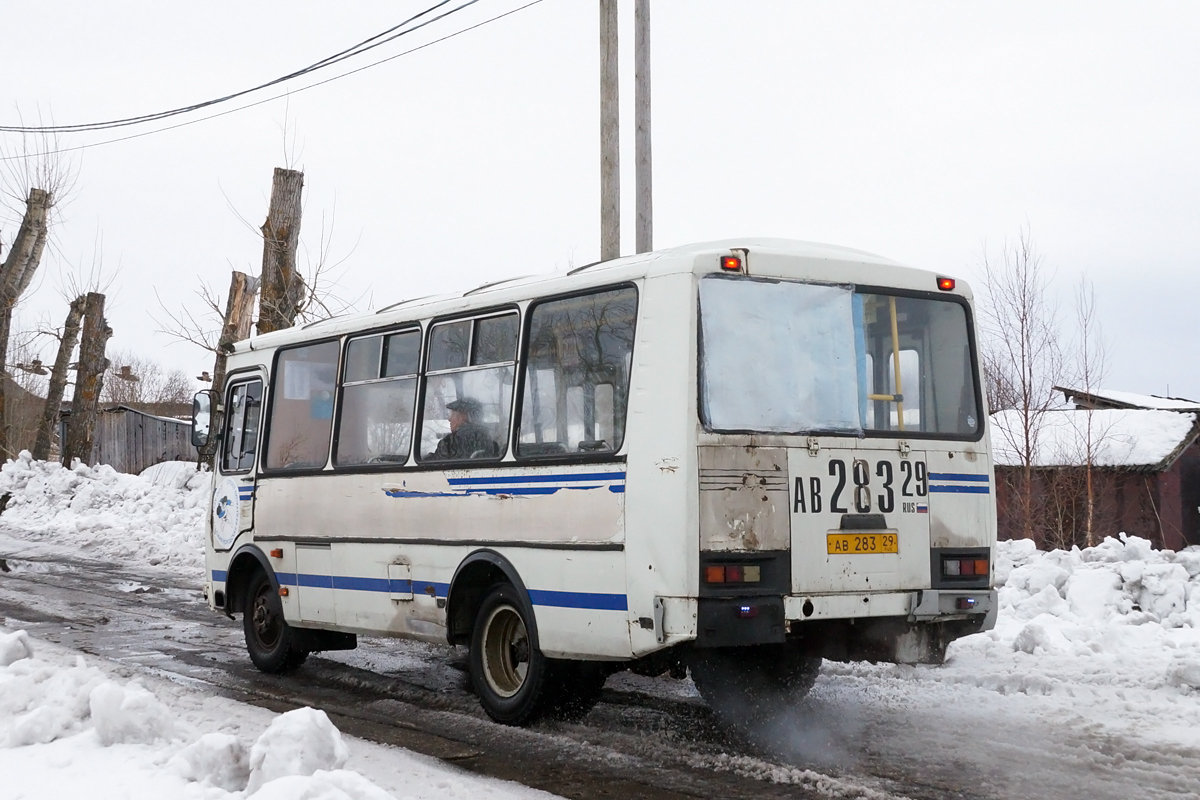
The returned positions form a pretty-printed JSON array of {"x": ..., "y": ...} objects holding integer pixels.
[
  {"x": 36, "y": 178},
  {"x": 1091, "y": 356},
  {"x": 137, "y": 381},
  {"x": 57, "y": 386},
  {"x": 89, "y": 381},
  {"x": 283, "y": 290},
  {"x": 1022, "y": 356}
]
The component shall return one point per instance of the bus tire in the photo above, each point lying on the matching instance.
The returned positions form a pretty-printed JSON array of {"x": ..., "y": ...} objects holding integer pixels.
[
  {"x": 749, "y": 688},
  {"x": 508, "y": 673},
  {"x": 269, "y": 639}
]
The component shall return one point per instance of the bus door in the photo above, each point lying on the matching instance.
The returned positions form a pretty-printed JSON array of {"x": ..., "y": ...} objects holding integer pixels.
[
  {"x": 860, "y": 518},
  {"x": 233, "y": 501}
]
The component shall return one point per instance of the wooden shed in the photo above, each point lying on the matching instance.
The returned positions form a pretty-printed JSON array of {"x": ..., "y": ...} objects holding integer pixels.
[
  {"x": 1145, "y": 471},
  {"x": 129, "y": 440}
]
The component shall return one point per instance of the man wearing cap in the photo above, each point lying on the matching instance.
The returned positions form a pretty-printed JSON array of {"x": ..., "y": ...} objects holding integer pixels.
[{"x": 467, "y": 438}]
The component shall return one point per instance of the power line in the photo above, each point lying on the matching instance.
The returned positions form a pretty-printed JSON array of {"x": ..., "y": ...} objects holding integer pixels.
[
  {"x": 285, "y": 94},
  {"x": 389, "y": 35}
]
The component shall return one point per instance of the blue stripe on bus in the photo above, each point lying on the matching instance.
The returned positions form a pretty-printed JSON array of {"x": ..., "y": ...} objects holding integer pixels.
[
  {"x": 398, "y": 586},
  {"x": 596, "y": 601},
  {"x": 959, "y": 476},
  {"x": 580, "y": 476},
  {"x": 589, "y": 600},
  {"x": 961, "y": 489}
]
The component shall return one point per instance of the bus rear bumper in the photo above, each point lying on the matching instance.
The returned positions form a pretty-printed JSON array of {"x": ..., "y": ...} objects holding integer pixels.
[{"x": 926, "y": 605}]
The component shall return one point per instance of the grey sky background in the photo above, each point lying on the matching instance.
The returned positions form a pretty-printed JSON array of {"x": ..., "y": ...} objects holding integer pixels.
[{"x": 925, "y": 132}]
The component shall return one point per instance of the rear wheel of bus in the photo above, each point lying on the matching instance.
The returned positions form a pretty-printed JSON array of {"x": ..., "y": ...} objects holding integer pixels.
[
  {"x": 269, "y": 639},
  {"x": 508, "y": 673},
  {"x": 515, "y": 682}
]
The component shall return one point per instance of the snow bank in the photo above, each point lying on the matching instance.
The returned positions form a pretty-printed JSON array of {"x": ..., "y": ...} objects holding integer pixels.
[
  {"x": 301, "y": 754},
  {"x": 156, "y": 518},
  {"x": 1118, "y": 614}
]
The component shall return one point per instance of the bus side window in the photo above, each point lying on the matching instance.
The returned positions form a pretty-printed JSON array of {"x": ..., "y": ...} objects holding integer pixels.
[
  {"x": 577, "y": 374},
  {"x": 468, "y": 388},
  {"x": 302, "y": 407},
  {"x": 244, "y": 408},
  {"x": 379, "y": 393}
]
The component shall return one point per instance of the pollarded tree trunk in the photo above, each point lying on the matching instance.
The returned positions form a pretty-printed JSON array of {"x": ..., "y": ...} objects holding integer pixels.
[
  {"x": 89, "y": 380},
  {"x": 282, "y": 294},
  {"x": 58, "y": 379},
  {"x": 16, "y": 274},
  {"x": 239, "y": 310}
]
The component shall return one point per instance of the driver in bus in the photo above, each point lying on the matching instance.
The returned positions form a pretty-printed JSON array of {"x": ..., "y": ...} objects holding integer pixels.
[{"x": 467, "y": 438}]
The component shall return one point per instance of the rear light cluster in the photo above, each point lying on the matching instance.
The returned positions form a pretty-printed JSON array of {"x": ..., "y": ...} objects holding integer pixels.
[
  {"x": 964, "y": 567},
  {"x": 733, "y": 573}
]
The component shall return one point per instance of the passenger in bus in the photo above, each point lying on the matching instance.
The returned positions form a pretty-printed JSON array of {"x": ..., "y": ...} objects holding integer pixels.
[{"x": 467, "y": 438}]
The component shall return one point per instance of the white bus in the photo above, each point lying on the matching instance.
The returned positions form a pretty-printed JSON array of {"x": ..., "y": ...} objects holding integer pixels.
[{"x": 737, "y": 458}]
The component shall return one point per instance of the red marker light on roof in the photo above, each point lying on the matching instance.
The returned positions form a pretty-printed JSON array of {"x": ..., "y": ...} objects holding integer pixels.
[
  {"x": 946, "y": 284},
  {"x": 731, "y": 263}
]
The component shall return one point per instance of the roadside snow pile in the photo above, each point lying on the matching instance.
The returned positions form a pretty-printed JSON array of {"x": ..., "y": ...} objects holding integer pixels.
[
  {"x": 155, "y": 518},
  {"x": 1118, "y": 614},
  {"x": 80, "y": 709}
]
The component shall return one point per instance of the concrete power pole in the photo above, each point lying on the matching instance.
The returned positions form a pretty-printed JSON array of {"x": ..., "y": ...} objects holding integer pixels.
[
  {"x": 642, "y": 142},
  {"x": 610, "y": 135}
]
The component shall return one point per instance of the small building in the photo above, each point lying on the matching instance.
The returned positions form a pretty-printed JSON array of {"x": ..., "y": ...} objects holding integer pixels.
[
  {"x": 1139, "y": 453},
  {"x": 129, "y": 440}
]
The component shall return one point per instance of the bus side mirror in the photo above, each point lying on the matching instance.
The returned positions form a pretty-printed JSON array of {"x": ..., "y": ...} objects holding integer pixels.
[{"x": 202, "y": 408}]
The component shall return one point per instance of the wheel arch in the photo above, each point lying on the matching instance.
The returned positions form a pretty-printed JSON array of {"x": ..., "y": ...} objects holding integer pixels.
[
  {"x": 246, "y": 560},
  {"x": 477, "y": 573}
]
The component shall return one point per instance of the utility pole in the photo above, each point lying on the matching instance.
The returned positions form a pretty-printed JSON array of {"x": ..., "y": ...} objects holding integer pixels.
[
  {"x": 642, "y": 141},
  {"x": 610, "y": 135}
]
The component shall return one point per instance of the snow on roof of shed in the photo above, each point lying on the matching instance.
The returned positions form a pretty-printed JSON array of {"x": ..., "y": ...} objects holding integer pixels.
[
  {"x": 1138, "y": 439},
  {"x": 1110, "y": 398}
]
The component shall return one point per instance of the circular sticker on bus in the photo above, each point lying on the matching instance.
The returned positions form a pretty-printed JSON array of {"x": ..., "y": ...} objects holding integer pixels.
[{"x": 226, "y": 514}]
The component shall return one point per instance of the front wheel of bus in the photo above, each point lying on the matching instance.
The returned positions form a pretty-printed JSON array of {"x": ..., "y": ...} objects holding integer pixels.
[
  {"x": 269, "y": 639},
  {"x": 507, "y": 671}
]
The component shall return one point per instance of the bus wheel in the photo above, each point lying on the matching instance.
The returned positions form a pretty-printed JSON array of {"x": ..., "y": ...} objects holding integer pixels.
[
  {"x": 508, "y": 672},
  {"x": 269, "y": 639},
  {"x": 754, "y": 690}
]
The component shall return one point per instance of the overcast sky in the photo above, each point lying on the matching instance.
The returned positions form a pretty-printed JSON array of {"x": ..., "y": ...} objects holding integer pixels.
[{"x": 924, "y": 132}]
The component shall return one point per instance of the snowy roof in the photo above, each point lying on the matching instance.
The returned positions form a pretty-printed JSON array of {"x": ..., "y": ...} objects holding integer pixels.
[
  {"x": 1145, "y": 439},
  {"x": 1110, "y": 398}
]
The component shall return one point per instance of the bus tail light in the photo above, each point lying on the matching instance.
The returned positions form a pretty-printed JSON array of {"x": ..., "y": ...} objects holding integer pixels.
[
  {"x": 964, "y": 567},
  {"x": 733, "y": 573},
  {"x": 731, "y": 263},
  {"x": 946, "y": 284}
]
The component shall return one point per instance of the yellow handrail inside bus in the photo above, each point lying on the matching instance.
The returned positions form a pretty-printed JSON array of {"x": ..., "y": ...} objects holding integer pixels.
[{"x": 896, "y": 363}]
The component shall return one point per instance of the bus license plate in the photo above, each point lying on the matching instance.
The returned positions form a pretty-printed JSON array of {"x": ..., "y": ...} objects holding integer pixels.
[{"x": 861, "y": 543}]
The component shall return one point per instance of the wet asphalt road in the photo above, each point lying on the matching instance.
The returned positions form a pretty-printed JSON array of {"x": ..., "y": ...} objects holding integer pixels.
[{"x": 651, "y": 738}]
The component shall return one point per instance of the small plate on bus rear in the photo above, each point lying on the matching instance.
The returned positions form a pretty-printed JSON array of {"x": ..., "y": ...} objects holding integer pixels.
[{"x": 861, "y": 544}]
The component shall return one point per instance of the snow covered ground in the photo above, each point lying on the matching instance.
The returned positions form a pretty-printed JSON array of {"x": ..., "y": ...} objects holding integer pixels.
[
  {"x": 76, "y": 727},
  {"x": 153, "y": 520},
  {"x": 1091, "y": 678},
  {"x": 70, "y": 727}
]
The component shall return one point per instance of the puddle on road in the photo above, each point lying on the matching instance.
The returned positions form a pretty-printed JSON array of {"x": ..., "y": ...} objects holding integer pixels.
[{"x": 133, "y": 587}]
